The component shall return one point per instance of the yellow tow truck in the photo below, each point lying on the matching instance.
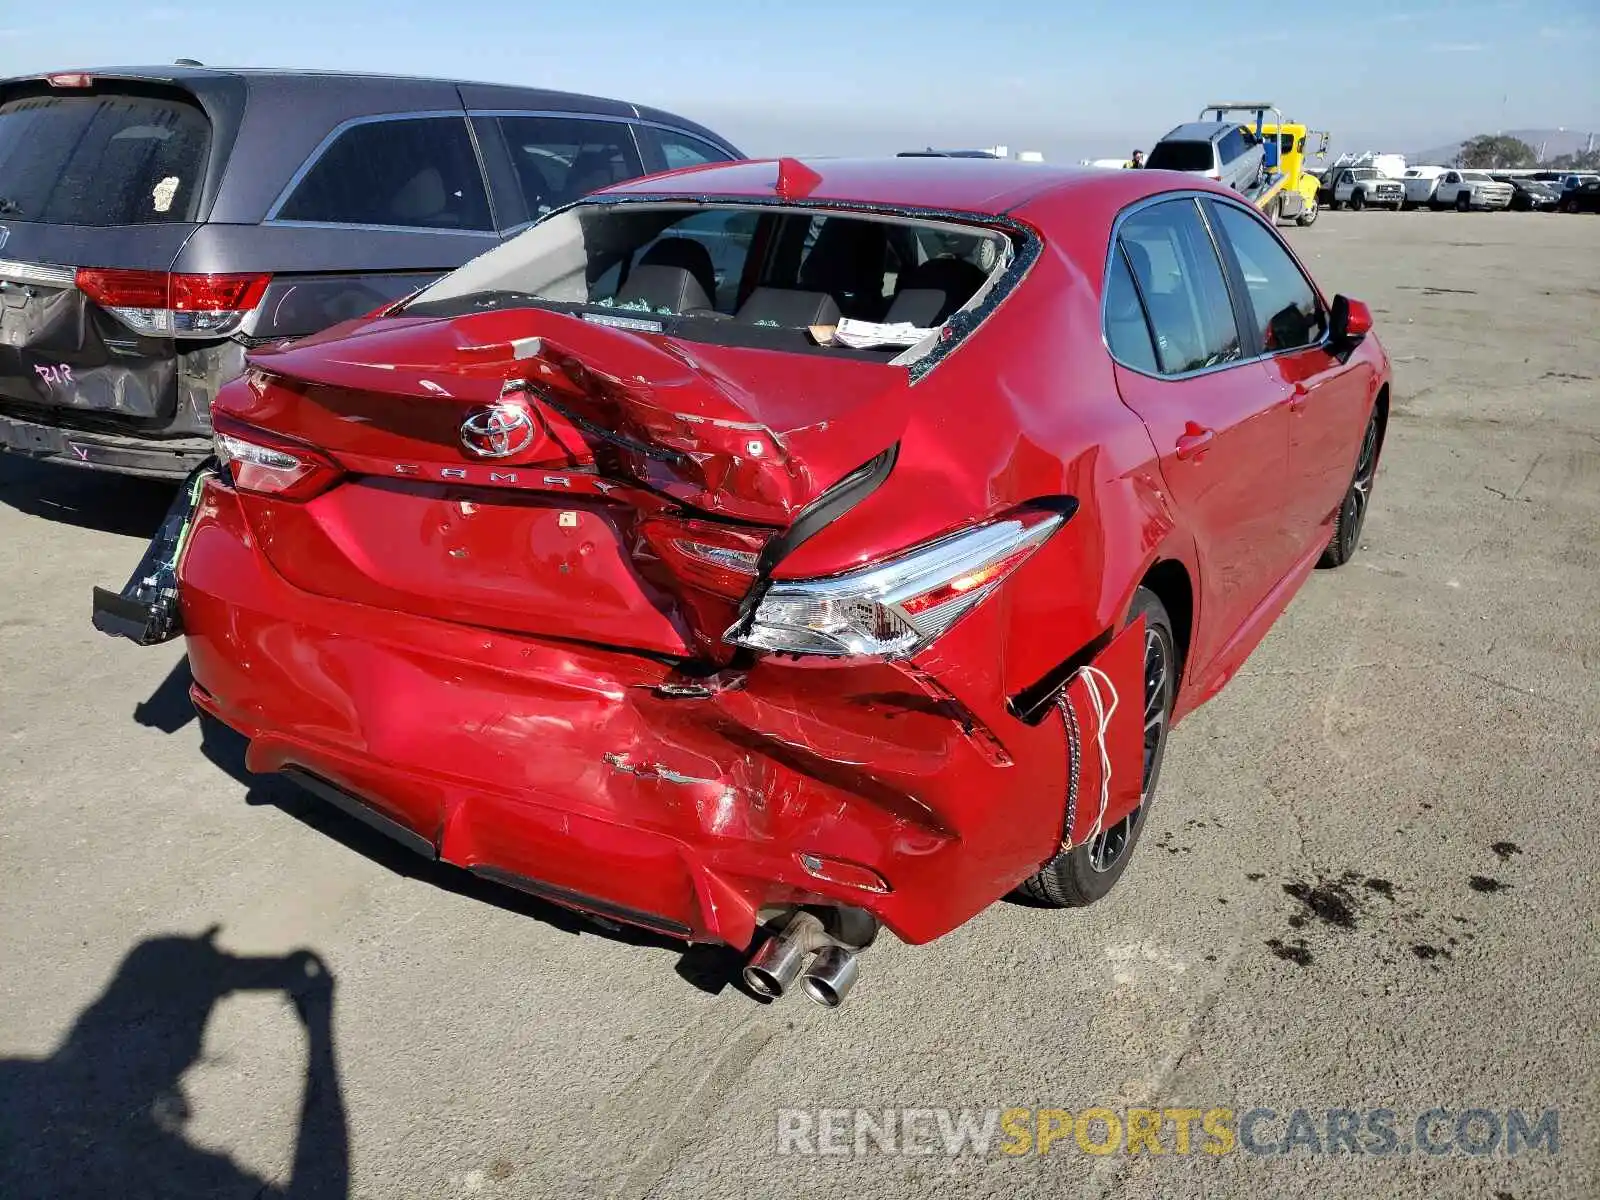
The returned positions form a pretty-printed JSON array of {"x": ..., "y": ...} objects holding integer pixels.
[{"x": 1288, "y": 192}]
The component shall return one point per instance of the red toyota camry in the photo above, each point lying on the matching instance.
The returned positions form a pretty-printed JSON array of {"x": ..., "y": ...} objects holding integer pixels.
[{"x": 779, "y": 547}]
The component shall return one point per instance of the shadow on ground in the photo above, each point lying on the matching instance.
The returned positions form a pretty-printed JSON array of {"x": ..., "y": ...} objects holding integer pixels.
[
  {"x": 104, "y": 1115},
  {"x": 709, "y": 968},
  {"x": 120, "y": 504}
]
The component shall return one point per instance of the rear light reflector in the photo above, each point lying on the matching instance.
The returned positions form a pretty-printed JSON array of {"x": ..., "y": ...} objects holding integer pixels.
[
  {"x": 269, "y": 464},
  {"x": 70, "y": 79},
  {"x": 159, "y": 304}
]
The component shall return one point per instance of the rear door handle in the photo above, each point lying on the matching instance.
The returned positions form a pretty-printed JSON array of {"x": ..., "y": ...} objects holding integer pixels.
[{"x": 1195, "y": 439}]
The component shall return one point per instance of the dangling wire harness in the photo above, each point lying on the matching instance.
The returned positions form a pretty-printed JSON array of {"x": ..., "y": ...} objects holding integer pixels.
[{"x": 146, "y": 610}]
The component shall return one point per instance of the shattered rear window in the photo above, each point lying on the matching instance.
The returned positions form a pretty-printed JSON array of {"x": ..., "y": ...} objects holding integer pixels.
[
  {"x": 806, "y": 279},
  {"x": 101, "y": 159}
]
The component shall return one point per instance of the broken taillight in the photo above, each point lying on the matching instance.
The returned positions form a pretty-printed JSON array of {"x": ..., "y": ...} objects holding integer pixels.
[
  {"x": 721, "y": 559},
  {"x": 269, "y": 464},
  {"x": 895, "y": 608},
  {"x": 163, "y": 304}
]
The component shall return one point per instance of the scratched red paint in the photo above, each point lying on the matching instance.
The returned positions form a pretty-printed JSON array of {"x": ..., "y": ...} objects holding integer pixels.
[{"x": 507, "y": 659}]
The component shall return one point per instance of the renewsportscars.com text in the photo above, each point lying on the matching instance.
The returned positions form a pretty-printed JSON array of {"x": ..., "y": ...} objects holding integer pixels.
[{"x": 1353, "y": 1132}]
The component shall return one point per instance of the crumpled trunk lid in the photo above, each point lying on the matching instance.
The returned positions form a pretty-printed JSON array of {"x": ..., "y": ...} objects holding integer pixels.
[{"x": 636, "y": 445}]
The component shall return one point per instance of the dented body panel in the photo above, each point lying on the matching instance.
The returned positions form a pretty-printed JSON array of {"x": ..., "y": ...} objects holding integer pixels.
[{"x": 504, "y": 658}]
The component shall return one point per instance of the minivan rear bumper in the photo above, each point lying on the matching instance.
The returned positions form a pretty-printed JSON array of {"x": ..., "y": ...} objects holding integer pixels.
[
  {"x": 156, "y": 458},
  {"x": 615, "y": 782}
]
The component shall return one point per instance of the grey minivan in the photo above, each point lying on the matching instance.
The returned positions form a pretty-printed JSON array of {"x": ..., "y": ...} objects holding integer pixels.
[{"x": 157, "y": 222}]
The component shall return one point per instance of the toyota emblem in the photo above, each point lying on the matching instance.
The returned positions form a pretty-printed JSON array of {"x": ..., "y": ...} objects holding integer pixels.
[{"x": 498, "y": 431}]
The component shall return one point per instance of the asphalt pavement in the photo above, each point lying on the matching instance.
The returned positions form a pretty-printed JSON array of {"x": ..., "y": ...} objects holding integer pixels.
[{"x": 1367, "y": 885}]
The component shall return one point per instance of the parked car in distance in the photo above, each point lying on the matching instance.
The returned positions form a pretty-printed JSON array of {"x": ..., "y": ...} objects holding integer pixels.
[
  {"x": 1583, "y": 198},
  {"x": 1528, "y": 194},
  {"x": 156, "y": 222},
  {"x": 1362, "y": 187},
  {"x": 1218, "y": 150},
  {"x": 1464, "y": 190},
  {"x": 1419, "y": 184},
  {"x": 706, "y": 609}
]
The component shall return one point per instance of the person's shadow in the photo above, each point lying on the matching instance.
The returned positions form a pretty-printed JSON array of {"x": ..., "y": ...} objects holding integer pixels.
[{"x": 104, "y": 1115}]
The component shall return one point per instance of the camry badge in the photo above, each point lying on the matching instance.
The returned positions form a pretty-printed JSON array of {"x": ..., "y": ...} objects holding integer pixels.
[{"x": 498, "y": 431}]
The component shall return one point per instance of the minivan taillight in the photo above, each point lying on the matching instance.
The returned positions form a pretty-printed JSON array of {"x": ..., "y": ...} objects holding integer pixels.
[
  {"x": 268, "y": 463},
  {"x": 163, "y": 304}
]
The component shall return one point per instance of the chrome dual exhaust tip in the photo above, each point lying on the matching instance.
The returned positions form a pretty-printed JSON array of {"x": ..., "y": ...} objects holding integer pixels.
[
  {"x": 781, "y": 961},
  {"x": 831, "y": 975}
]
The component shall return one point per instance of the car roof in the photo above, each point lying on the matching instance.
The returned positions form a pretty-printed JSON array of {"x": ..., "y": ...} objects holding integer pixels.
[
  {"x": 475, "y": 94},
  {"x": 970, "y": 185},
  {"x": 1198, "y": 131}
]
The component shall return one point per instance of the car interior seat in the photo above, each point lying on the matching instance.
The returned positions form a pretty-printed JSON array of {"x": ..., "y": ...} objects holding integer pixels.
[
  {"x": 1172, "y": 320},
  {"x": 676, "y": 273},
  {"x": 422, "y": 200},
  {"x": 847, "y": 262},
  {"x": 591, "y": 170},
  {"x": 792, "y": 307},
  {"x": 928, "y": 293}
]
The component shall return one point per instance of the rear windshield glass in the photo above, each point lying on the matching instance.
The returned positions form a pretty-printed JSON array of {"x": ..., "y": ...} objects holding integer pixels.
[
  {"x": 1181, "y": 156},
  {"x": 101, "y": 160},
  {"x": 739, "y": 275}
]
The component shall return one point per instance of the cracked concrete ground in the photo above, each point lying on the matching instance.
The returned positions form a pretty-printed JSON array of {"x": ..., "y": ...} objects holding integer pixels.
[{"x": 1366, "y": 883}]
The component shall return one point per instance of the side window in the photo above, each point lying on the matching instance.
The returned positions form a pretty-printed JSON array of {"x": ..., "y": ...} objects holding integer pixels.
[
  {"x": 562, "y": 159},
  {"x": 1287, "y": 311},
  {"x": 1170, "y": 251},
  {"x": 1127, "y": 334},
  {"x": 418, "y": 172},
  {"x": 685, "y": 150},
  {"x": 1231, "y": 146}
]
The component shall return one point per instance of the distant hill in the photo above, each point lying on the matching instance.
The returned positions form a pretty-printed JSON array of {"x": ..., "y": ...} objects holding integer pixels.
[{"x": 1547, "y": 143}]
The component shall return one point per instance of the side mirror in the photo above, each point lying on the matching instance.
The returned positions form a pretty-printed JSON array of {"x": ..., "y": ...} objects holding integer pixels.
[{"x": 1348, "y": 322}]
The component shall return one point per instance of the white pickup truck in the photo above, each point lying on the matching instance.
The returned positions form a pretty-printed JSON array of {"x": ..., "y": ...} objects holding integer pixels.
[
  {"x": 1360, "y": 187},
  {"x": 1420, "y": 184},
  {"x": 1466, "y": 190}
]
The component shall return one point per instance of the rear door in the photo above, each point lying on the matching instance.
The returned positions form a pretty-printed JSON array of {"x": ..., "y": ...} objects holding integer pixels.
[
  {"x": 384, "y": 206},
  {"x": 1326, "y": 397},
  {"x": 102, "y": 175},
  {"x": 1213, "y": 414}
]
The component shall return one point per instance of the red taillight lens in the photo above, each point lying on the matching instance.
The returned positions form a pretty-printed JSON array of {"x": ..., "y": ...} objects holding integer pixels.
[
  {"x": 268, "y": 463},
  {"x": 159, "y": 304},
  {"x": 218, "y": 293},
  {"x": 70, "y": 79},
  {"x": 718, "y": 558},
  {"x": 125, "y": 289}
]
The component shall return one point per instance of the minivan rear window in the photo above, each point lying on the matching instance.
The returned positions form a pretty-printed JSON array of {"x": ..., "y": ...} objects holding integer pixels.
[
  {"x": 1181, "y": 156},
  {"x": 101, "y": 159}
]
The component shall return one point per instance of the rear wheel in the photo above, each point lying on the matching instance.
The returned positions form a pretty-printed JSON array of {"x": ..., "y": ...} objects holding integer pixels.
[
  {"x": 1308, "y": 215},
  {"x": 1353, "y": 510},
  {"x": 1082, "y": 875}
]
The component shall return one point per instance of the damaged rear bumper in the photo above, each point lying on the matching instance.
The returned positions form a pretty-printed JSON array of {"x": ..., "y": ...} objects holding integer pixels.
[
  {"x": 609, "y": 781},
  {"x": 154, "y": 458}
]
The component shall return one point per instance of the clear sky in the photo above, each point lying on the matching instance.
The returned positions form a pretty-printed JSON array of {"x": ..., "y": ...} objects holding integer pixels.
[{"x": 1073, "y": 79}]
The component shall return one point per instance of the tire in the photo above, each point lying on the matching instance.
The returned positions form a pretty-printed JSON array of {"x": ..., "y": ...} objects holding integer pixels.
[
  {"x": 1080, "y": 876},
  {"x": 1463, "y": 201},
  {"x": 1307, "y": 216},
  {"x": 1357, "y": 498},
  {"x": 1358, "y": 200},
  {"x": 1569, "y": 206},
  {"x": 1334, "y": 204}
]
